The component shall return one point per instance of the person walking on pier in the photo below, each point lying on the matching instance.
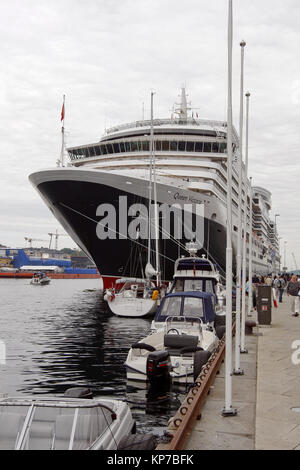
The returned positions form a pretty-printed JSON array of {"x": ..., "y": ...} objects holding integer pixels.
[
  {"x": 293, "y": 290},
  {"x": 279, "y": 284}
]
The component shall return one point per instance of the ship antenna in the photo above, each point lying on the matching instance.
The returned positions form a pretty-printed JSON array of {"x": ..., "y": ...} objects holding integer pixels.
[{"x": 184, "y": 106}]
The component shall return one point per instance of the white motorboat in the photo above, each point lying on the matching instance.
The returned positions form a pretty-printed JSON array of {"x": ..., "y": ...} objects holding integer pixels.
[
  {"x": 136, "y": 298},
  {"x": 40, "y": 279},
  {"x": 182, "y": 342},
  {"x": 67, "y": 423},
  {"x": 199, "y": 274}
]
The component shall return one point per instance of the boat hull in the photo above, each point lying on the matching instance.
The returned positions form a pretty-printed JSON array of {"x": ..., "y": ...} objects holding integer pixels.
[
  {"x": 74, "y": 197},
  {"x": 132, "y": 307}
]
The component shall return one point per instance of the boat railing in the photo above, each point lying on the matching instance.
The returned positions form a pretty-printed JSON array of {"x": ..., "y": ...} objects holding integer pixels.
[
  {"x": 185, "y": 322},
  {"x": 161, "y": 122}
]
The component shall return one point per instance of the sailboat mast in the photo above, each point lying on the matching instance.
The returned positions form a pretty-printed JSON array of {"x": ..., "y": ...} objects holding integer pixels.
[
  {"x": 150, "y": 182},
  {"x": 156, "y": 221}
]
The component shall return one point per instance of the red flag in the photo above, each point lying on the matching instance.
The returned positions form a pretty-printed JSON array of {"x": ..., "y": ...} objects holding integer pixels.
[{"x": 62, "y": 112}]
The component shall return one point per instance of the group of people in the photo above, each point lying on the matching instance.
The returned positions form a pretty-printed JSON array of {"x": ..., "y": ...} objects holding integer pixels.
[{"x": 290, "y": 282}]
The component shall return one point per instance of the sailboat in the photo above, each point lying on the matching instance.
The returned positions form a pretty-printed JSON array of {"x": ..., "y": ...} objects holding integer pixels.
[{"x": 140, "y": 297}]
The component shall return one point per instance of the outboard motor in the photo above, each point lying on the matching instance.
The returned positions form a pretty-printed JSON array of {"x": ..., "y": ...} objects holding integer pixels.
[{"x": 158, "y": 366}]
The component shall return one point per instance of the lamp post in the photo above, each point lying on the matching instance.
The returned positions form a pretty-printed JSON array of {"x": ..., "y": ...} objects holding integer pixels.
[
  {"x": 243, "y": 349},
  {"x": 228, "y": 409},
  {"x": 238, "y": 370},
  {"x": 279, "y": 240},
  {"x": 250, "y": 296},
  {"x": 275, "y": 244},
  {"x": 284, "y": 259}
]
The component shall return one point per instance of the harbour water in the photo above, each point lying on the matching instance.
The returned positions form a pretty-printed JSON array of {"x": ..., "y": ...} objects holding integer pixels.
[{"x": 63, "y": 335}]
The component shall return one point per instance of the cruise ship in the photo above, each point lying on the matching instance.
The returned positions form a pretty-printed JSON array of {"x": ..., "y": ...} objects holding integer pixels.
[{"x": 106, "y": 185}]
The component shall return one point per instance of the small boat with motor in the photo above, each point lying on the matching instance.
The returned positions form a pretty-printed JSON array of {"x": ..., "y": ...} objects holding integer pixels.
[
  {"x": 132, "y": 298},
  {"x": 76, "y": 421},
  {"x": 40, "y": 279},
  {"x": 195, "y": 274},
  {"x": 181, "y": 343}
]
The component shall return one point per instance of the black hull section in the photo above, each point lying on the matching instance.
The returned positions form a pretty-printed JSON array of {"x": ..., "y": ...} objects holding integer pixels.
[{"x": 77, "y": 202}]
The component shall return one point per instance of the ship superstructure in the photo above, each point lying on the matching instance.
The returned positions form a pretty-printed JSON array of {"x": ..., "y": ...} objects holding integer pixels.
[{"x": 104, "y": 180}]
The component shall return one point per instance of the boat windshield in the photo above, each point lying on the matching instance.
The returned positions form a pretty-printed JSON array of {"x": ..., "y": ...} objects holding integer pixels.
[
  {"x": 171, "y": 307},
  {"x": 192, "y": 307},
  {"x": 52, "y": 426},
  {"x": 194, "y": 285}
]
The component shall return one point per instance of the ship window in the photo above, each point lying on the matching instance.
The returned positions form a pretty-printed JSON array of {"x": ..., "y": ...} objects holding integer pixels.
[
  {"x": 109, "y": 148},
  {"x": 134, "y": 146},
  {"x": 190, "y": 146},
  {"x": 116, "y": 148},
  {"x": 103, "y": 149},
  {"x": 127, "y": 147},
  {"x": 97, "y": 150},
  {"x": 146, "y": 146},
  {"x": 207, "y": 147},
  {"x": 173, "y": 146},
  {"x": 158, "y": 145},
  {"x": 223, "y": 147},
  {"x": 199, "y": 147},
  {"x": 215, "y": 147},
  {"x": 91, "y": 151},
  {"x": 122, "y": 147},
  {"x": 181, "y": 146},
  {"x": 166, "y": 145}
]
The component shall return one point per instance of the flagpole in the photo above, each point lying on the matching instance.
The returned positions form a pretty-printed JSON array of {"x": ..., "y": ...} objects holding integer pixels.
[
  {"x": 62, "y": 153},
  {"x": 250, "y": 301},
  {"x": 228, "y": 410},
  {"x": 238, "y": 370},
  {"x": 243, "y": 348}
]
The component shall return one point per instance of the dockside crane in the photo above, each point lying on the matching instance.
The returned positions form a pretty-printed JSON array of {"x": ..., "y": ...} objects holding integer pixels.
[
  {"x": 55, "y": 235},
  {"x": 30, "y": 240}
]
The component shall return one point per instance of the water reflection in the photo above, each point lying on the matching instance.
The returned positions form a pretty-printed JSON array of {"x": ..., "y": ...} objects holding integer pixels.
[{"x": 64, "y": 335}]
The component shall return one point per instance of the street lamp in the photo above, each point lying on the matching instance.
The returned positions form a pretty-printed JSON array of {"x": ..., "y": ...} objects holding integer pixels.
[
  {"x": 279, "y": 238},
  {"x": 238, "y": 370},
  {"x": 246, "y": 186},
  {"x": 285, "y": 266},
  {"x": 275, "y": 243}
]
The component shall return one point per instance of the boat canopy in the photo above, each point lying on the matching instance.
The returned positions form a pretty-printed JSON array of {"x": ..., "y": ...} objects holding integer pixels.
[
  {"x": 187, "y": 305},
  {"x": 52, "y": 425}
]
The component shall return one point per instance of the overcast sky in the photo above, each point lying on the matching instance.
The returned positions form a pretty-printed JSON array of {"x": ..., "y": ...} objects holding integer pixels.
[{"x": 106, "y": 56}]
